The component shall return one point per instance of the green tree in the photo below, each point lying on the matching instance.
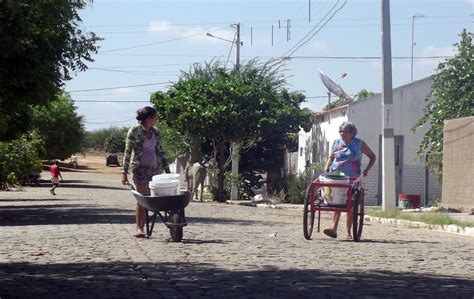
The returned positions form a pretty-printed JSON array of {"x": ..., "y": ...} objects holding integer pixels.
[
  {"x": 212, "y": 103},
  {"x": 362, "y": 95},
  {"x": 451, "y": 97},
  {"x": 19, "y": 158},
  {"x": 115, "y": 142},
  {"x": 40, "y": 46},
  {"x": 60, "y": 127},
  {"x": 96, "y": 139}
]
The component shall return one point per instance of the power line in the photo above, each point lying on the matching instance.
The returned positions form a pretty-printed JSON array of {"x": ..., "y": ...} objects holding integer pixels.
[
  {"x": 160, "y": 42},
  {"x": 109, "y": 122},
  {"x": 270, "y": 21},
  {"x": 118, "y": 87},
  {"x": 365, "y": 57}
]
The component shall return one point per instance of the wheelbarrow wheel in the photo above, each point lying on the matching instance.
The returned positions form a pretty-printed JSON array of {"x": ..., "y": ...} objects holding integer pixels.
[
  {"x": 358, "y": 215},
  {"x": 308, "y": 216},
  {"x": 176, "y": 231}
]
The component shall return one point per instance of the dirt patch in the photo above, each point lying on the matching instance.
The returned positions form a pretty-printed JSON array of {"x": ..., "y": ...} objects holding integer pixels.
[{"x": 91, "y": 162}]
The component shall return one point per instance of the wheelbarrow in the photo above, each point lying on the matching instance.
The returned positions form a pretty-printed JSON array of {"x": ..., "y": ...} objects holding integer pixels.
[{"x": 170, "y": 208}]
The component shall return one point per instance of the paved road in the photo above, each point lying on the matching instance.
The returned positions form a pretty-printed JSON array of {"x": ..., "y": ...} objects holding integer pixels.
[{"x": 79, "y": 244}]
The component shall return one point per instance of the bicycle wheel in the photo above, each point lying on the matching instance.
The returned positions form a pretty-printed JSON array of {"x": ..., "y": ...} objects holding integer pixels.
[
  {"x": 308, "y": 216},
  {"x": 358, "y": 215},
  {"x": 176, "y": 231}
]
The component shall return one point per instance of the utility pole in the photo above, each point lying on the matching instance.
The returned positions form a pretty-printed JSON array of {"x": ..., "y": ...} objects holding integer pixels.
[
  {"x": 413, "y": 41},
  {"x": 234, "y": 191},
  {"x": 388, "y": 145}
]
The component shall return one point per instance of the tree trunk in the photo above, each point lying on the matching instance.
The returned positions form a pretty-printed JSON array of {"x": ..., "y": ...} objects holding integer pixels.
[{"x": 220, "y": 175}]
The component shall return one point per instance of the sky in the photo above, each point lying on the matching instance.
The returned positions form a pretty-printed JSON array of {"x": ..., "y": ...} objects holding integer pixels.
[{"x": 147, "y": 44}]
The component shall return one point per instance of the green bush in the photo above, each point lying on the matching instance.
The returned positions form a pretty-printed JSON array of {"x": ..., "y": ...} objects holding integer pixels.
[
  {"x": 297, "y": 184},
  {"x": 19, "y": 158}
]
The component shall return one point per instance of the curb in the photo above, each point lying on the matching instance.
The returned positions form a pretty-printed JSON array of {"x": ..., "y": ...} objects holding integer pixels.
[
  {"x": 454, "y": 229},
  {"x": 466, "y": 231}
]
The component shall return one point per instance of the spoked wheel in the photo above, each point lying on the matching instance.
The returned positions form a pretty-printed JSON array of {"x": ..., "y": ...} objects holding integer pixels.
[
  {"x": 176, "y": 231},
  {"x": 358, "y": 215},
  {"x": 308, "y": 216}
]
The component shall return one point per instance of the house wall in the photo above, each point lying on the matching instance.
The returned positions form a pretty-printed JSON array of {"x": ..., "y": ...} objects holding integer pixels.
[
  {"x": 314, "y": 145},
  {"x": 458, "y": 167},
  {"x": 408, "y": 104}
]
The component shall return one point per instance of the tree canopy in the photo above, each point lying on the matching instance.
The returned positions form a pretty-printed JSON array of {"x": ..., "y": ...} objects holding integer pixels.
[
  {"x": 60, "y": 127},
  {"x": 40, "y": 45},
  {"x": 212, "y": 103},
  {"x": 451, "y": 97}
]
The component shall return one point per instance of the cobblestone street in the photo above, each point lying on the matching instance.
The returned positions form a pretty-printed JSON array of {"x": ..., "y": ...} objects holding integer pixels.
[{"x": 80, "y": 243}]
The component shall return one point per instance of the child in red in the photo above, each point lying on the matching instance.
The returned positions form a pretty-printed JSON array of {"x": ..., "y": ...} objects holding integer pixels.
[{"x": 55, "y": 174}]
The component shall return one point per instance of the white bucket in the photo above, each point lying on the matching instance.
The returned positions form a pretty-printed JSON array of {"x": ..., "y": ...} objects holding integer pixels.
[
  {"x": 334, "y": 195},
  {"x": 164, "y": 184}
]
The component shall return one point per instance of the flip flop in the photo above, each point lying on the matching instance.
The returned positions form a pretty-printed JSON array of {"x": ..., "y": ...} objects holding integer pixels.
[
  {"x": 329, "y": 232},
  {"x": 139, "y": 235}
]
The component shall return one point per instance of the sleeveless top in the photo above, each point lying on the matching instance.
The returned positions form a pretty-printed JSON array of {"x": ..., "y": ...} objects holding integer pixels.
[
  {"x": 347, "y": 158},
  {"x": 148, "y": 157}
]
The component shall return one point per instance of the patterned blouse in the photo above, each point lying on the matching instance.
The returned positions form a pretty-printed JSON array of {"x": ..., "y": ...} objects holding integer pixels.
[
  {"x": 347, "y": 158},
  {"x": 134, "y": 149}
]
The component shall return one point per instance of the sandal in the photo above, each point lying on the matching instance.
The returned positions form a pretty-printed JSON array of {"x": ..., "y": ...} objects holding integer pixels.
[
  {"x": 330, "y": 232},
  {"x": 139, "y": 235}
]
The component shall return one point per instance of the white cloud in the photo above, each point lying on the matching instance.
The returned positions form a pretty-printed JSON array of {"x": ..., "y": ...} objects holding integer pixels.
[
  {"x": 319, "y": 45},
  {"x": 432, "y": 51},
  {"x": 165, "y": 27},
  {"x": 161, "y": 26},
  {"x": 123, "y": 90}
]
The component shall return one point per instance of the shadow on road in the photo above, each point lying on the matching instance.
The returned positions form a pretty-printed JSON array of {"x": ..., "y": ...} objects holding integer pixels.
[
  {"x": 244, "y": 222},
  {"x": 78, "y": 184},
  {"x": 62, "y": 214},
  {"x": 190, "y": 280},
  {"x": 397, "y": 241}
]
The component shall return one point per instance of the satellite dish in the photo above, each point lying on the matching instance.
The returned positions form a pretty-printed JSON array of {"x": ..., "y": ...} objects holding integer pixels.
[{"x": 333, "y": 87}]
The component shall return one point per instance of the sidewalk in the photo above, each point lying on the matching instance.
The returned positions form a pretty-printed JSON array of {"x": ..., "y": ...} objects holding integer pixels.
[{"x": 465, "y": 217}]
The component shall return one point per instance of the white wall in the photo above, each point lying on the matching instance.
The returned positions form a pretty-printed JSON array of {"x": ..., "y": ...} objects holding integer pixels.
[
  {"x": 307, "y": 141},
  {"x": 408, "y": 104}
]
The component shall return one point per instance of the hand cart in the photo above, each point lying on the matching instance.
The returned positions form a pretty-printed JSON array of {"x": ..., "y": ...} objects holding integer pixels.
[{"x": 313, "y": 202}]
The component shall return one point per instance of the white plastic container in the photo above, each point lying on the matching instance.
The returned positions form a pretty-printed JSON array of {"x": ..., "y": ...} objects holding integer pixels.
[
  {"x": 164, "y": 184},
  {"x": 334, "y": 195}
]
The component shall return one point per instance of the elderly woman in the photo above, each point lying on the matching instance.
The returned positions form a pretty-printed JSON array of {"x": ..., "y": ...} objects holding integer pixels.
[
  {"x": 346, "y": 156},
  {"x": 145, "y": 156}
]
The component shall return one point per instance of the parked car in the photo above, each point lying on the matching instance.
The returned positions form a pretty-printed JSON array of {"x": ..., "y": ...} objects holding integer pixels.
[{"x": 112, "y": 159}]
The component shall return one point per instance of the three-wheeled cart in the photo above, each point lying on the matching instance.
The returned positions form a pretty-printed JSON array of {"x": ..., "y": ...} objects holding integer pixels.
[
  {"x": 170, "y": 208},
  {"x": 314, "y": 204}
]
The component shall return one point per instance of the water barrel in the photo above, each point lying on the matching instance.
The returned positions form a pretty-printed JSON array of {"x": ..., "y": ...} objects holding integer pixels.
[{"x": 334, "y": 195}]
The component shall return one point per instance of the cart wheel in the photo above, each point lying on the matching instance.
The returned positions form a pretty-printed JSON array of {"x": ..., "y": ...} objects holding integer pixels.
[
  {"x": 308, "y": 216},
  {"x": 358, "y": 215},
  {"x": 176, "y": 232}
]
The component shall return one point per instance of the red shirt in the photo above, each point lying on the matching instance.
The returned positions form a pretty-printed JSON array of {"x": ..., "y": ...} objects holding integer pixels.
[{"x": 54, "y": 169}]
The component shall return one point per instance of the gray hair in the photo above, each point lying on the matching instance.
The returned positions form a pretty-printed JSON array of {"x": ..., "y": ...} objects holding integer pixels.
[{"x": 347, "y": 125}]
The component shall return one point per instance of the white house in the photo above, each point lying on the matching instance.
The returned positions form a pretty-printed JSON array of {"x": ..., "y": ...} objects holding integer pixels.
[{"x": 411, "y": 174}]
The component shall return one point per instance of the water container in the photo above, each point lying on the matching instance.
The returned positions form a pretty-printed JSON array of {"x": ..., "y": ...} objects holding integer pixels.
[
  {"x": 164, "y": 184},
  {"x": 409, "y": 201},
  {"x": 334, "y": 195}
]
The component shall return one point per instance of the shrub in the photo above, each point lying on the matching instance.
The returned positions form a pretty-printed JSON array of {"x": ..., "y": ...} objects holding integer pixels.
[{"x": 19, "y": 158}]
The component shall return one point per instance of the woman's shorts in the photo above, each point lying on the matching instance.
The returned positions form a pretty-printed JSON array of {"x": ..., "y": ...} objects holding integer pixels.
[
  {"x": 55, "y": 180},
  {"x": 144, "y": 174}
]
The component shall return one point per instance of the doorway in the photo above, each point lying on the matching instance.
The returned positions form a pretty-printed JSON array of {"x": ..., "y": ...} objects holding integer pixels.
[{"x": 398, "y": 160}]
